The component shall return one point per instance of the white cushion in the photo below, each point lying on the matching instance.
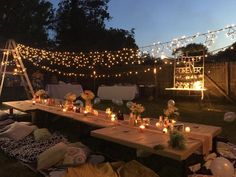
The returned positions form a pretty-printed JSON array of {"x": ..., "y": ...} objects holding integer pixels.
[{"x": 17, "y": 131}]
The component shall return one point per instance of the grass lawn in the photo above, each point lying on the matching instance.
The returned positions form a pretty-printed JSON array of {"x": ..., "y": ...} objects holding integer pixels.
[{"x": 190, "y": 111}]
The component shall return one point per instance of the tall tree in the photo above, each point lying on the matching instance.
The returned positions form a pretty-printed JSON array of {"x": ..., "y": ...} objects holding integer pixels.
[
  {"x": 80, "y": 26},
  {"x": 191, "y": 50},
  {"x": 228, "y": 54},
  {"x": 26, "y": 21}
]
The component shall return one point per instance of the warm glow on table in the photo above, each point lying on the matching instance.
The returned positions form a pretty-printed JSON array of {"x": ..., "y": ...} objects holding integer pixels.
[
  {"x": 165, "y": 130},
  {"x": 187, "y": 129},
  {"x": 142, "y": 127},
  {"x": 95, "y": 112},
  {"x": 158, "y": 124},
  {"x": 113, "y": 117}
]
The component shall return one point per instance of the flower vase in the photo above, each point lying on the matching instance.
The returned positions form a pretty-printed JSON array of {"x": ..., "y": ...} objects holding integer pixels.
[
  {"x": 134, "y": 119},
  {"x": 38, "y": 99},
  {"x": 88, "y": 105},
  {"x": 69, "y": 105}
]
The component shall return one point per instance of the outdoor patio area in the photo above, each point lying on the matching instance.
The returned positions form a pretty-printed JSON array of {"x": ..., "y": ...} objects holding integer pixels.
[{"x": 108, "y": 88}]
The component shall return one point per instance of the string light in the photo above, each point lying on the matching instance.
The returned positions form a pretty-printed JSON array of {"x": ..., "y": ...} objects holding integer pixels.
[
  {"x": 210, "y": 39},
  {"x": 207, "y": 38},
  {"x": 111, "y": 75},
  {"x": 231, "y": 32},
  {"x": 80, "y": 60},
  {"x": 85, "y": 64}
]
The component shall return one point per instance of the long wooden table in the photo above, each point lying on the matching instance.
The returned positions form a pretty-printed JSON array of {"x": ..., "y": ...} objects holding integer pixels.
[
  {"x": 149, "y": 138},
  {"x": 122, "y": 133},
  {"x": 25, "y": 106},
  {"x": 28, "y": 106}
]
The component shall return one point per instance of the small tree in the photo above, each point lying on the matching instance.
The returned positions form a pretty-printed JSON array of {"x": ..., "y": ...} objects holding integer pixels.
[{"x": 191, "y": 50}]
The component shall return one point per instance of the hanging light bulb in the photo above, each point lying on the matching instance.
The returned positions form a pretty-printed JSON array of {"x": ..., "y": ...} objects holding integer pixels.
[{"x": 163, "y": 56}]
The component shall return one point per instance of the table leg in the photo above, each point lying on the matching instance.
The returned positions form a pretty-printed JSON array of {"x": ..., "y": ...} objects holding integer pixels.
[
  {"x": 11, "y": 115},
  {"x": 11, "y": 111},
  {"x": 36, "y": 118},
  {"x": 184, "y": 165},
  {"x": 214, "y": 145}
]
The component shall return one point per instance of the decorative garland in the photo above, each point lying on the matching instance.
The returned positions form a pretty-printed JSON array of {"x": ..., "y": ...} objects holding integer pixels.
[{"x": 208, "y": 38}]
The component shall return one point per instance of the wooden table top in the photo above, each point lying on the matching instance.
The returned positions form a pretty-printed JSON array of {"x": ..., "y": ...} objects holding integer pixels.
[
  {"x": 132, "y": 137},
  {"x": 146, "y": 140},
  {"x": 90, "y": 119},
  {"x": 24, "y": 106},
  {"x": 202, "y": 129},
  {"x": 27, "y": 106}
]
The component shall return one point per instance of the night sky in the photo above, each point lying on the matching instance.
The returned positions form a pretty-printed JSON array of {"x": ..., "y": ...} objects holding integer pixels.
[{"x": 163, "y": 20}]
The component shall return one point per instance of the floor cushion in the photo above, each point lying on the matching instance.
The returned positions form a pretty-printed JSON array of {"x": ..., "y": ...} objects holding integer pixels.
[
  {"x": 18, "y": 131},
  {"x": 42, "y": 134},
  {"x": 3, "y": 115},
  {"x": 74, "y": 156},
  {"x": 51, "y": 156}
]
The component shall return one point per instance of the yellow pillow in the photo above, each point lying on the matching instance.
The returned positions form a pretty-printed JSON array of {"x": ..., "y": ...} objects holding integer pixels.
[
  {"x": 51, "y": 156},
  {"x": 42, "y": 134}
]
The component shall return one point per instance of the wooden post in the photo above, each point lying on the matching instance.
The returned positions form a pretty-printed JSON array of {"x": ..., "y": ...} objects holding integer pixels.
[
  {"x": 155, "y": 81},
  {"x": 214, "y": 84},
  {"x": 227, "y": 81}
]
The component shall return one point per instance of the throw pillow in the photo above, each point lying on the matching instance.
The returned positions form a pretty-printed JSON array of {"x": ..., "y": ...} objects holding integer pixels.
[
  {"x": 80, "y": 145},
  {"x": 51, "y": 156},
  {"x": 6, "y": 122},
  {"x": 26, "y": 123},
  {"x": 17, "y": 131},
  {"x": 134, "y": 168},
  {"x": 3, "y": 115},
  {"x": 42, "y": 134},
  {"x": 74, "y": 156}
]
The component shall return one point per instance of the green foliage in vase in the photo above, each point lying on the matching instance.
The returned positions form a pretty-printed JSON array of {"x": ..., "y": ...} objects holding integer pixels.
[{"x": 177, "y": 140}]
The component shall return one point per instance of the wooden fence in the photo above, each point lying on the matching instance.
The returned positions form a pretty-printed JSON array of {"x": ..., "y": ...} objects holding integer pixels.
[{"x": 220, "y": 79}]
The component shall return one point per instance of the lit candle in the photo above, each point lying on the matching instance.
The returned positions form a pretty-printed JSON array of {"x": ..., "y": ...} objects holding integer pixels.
[
  {"x": 108, "y": 111},
  {"x": 64, "y": 109},
  {"x": 95, "y": 112},
  {"x": 146, "y": 121},
  {"x": 160, "y": 118},
  {"x": 158, "y": 124},
  {"x": 165, "y": 130},
  {"x": 173, "y": 121},
  {"x": 45, "y": 101},
  {"x": 85, "y": 112},
  {"x": 34, "y": 102},
  {"x": 141, "y": 128},
  {"x": 187, "y": 129},
  {"x": 113, "y": 117},
  {"x": 74, "y": 108}
]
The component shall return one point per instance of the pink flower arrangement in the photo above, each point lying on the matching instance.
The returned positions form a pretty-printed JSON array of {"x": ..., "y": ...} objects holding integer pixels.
[
  {"x": 136, "y": 108},
  {"x": 87, "y": 95},
  {"x": 40, "y": 93},
  {"x": 70, "y": 97}
]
